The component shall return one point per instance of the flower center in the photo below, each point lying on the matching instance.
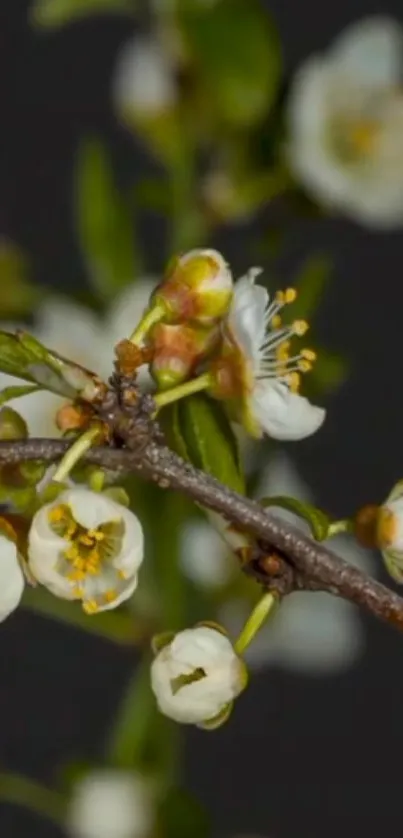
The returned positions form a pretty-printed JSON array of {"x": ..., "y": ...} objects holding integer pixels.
[
  {"x": 354, "y": 139},
  {"x": 276, "y": 360},
  {"x": 88, "y": 554}
]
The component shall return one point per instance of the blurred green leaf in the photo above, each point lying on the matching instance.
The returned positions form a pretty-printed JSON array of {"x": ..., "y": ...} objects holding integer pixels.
[
  {"x": 21, "y": 791},
  {"x": 17, "y": 295},
  {"x": 328, "y": 372},
  {"x": 311, "y": 283},
  {"x": 318, "y": 521},
  {"x": 105, "y": 226},
  {"x": 181, "y": 815},
  {"x": 131, "y": 726},
  {"x": 25, "y": 357},
  {"x": 53, "y": 13},
  {"x": 236, "y": 51},
  {"x": 200, "y": 432},
  {"x": 16, "y": 392}
]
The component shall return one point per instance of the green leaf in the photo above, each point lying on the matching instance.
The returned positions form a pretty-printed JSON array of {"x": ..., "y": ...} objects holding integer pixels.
[
  {"x": 17, "y": 295},
  {"x": 318, "y": 521},
  {"x": 23, "y": 356},
  {"x": 15, "y": 392},
  {"x": 53, "y": 13},
  {"x": 236, "y": 51},
  {"x": 105, "y": 225},
  {"x": 311, "y": 283},
  {"x": 181, "y": 815},
  {"x": 201, "y": 433}
]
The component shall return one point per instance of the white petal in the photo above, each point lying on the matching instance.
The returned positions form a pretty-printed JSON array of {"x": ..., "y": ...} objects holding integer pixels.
[
  {"x": 370, "y": 51},
  {"x": 281, "y": 477},
  {"x": 284, "y": 415},
  {"x": 144, "y": 80},
  {"x": 110, "y": 804},
  {"x": 247, "y": 319},
  {"x": 11, "y": 578},
  {"x": 44, "y": 547}
]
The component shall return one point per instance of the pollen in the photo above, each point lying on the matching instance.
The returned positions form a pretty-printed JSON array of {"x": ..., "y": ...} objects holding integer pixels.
[
  {"x": 290, "y": 295},
  {"x": 308, "y": 354},
  {"x": 110, "y": 595},
  {"x": 276, "y": 321},
  {"x": 300, "y": 327},
  {"x": 363, "y": 136},
  {"x": 294, "y": 381},
  {"x": 90, "y": 606}
]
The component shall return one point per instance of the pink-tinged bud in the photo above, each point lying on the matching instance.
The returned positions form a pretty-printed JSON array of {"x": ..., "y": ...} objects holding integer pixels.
[
  {"x": 178, "y": 349},
  {"x": 197, "y": 287}
]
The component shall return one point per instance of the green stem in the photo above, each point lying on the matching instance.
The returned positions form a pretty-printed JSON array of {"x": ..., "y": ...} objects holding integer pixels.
[
  {"x": 117, "y": 626},
  {"x": 75, "y": 453},
  {"x": 255, "y": 621},
  {"x": 131, "y": 729},
  {"x": 96, "y": 480},
  {"x": 22, "y": 791},
  {"x": 203, "y": 382},
  {"x": 337, "y": 527},
  {"x": 150, "y": 318}
]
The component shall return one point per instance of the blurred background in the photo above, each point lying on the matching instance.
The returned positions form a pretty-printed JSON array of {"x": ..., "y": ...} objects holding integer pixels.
[{"x": 131, "y": 131}]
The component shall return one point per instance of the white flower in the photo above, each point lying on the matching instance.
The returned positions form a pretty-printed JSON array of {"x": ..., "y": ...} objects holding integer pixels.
[
  {"x": 346, "y": 123},
  {"x": 110, "y": 804},
  {"x": 311, "y": 632},
  {"x": 11, "y": 578},
  {"x": 256, "y": 363},
  {"x": 144, "y": 81},
  {"x": 197, "y": 675},
  {"x": 203, "y": 556},
  {"x": 86, "y": 546},
  {"x": 77, "y": 333},
  {"x": 390, "y": 532}
]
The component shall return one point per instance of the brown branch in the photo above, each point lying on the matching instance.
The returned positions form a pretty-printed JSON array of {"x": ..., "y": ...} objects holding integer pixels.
[{"x": 316, "y": 565}]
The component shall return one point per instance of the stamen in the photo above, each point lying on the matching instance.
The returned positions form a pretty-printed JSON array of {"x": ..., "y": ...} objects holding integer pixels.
[
  {"x": 300, "y": 327},
  {"x": 110, "y": 595},
  {"x": 90, "y": 606}
]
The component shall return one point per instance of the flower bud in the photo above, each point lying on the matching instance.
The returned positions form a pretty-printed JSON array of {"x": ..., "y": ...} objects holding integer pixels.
[
  {"x": 389, "y": 532},
  {"x": 85, "y": 546},
  {"x": 110, "y": 804},
  {"x": 12, "y": 425},
  {"x": 11, "y": 576},
  {"x": 178, "y": 349},
  {"x": 197, "y": 675},
  {"x": 197, "y": 287}
]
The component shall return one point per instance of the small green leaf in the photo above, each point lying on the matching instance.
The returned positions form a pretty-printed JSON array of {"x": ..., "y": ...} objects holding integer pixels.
[
  {"x": 318, "y": 521},
  {"x": 53, "y": 13},
  {"x": 23, "y": 356},
  {"x": 15, "y": 392},
  {"x": 236, "y": 51},
  {"x": 311, "y": 283},
  {"x": 105, "y": 225},
  {"x": 201, "y": 432},
  {"x": 17, "y": 295},
  {"x": 181, "y": 815}
]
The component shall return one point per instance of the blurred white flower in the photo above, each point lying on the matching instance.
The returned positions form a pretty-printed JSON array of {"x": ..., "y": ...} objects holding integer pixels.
[
  {"x": 111, "y": 804},
  {"x": 77, "y": 333},
  {"x": 12, "y": 581},
  {"x": 345, "y": 116},
  {"x": 144, "y": 82},
  {"x": 197, "y": 675},
  {"x": 311, "y": 632},
  {"x": 203, "y": 556},
  {"x": 85, "y": 546}
]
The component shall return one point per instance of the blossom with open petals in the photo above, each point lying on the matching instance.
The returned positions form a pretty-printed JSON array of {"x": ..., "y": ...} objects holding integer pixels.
[
  {"x": 255, "y": 373},
  {"x": 85, "y": 546},
  {"x": 345, "y": 117},
  {"x": 197, "y": 675},
  {"x": 110, "y": 804},
  {"x": 11, "y": 577}
]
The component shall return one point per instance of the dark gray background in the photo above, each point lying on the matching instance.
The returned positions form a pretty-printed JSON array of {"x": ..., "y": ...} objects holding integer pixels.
[{"x": 302, "y": 757}]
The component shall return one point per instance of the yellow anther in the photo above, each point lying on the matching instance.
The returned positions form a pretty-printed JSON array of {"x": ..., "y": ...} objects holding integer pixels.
[
  {"x": 76, "y": 576},
  {"x": 305, "y": 366},
  {"x": 72, "y": 552},
  {"x": 282, "y": 351},
  {"x": 86, "y": 540},
  {"x": 276, "y": 321},
  {"x": 300, "y": 327},
  {"x": 57, "y": 514},
  {"x": 79, "y": 563},
  {"x": 97, "y": 535},
  {"x": 280, "y": 298},
  {"x": 122, "y": 574},
  {"x": 294, "y": 381},
  {"x": 110, "y": 595},
  {"x": 309, "y": 354},
  {"x": 90, "y": 606},
  {"x": 290, "y": 295},
  {"x": 363, "y": 135},
  {"x": 78, "y": 591}
]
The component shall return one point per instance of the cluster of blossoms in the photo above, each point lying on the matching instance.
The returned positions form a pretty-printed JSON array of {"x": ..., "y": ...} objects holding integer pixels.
[{"x": 200, "y": 331}]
